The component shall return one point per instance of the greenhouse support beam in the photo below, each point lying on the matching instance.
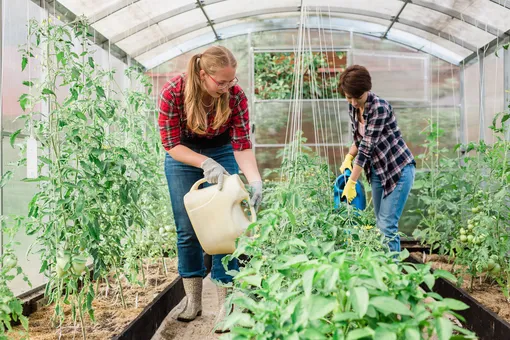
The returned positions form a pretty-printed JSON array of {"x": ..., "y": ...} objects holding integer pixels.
[
  {"x": 490, "y": 48},
  {"x": 55, "y": 8},
  {"x": 506, "y": 70},
  {"x": 1, "y": 122},
  {"x": 457, "y": 15},
  {"x": 462, "y": 106},
  {"x": 111, "y": 9},
  {"x": 395, "y": 19},
  {"x": 429, "y": 29},
  {"x": 504, "y": 3},
  {"x": 209, "y": 22},
  {"x": 481, "y": 60}
]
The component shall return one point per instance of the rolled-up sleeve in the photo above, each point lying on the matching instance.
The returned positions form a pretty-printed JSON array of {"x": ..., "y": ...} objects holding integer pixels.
[
  {"x": 373, "y": 130},
  {"x": 240, "y": 124},
  {"x": 169, "y": 120}
]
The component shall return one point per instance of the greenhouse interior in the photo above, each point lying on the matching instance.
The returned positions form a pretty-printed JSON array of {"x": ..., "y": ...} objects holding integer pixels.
[{"x": 241, "y": 169}]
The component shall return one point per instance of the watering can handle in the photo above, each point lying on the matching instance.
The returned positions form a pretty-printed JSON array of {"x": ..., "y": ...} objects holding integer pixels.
[
  {"x": 200, "y": 181},
  {"x": 253, "y": 216},
  {"x": 197, "y": 184}
]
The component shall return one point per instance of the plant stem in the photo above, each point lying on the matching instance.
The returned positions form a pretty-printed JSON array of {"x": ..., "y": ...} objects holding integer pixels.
[
  {"x": 80, "y": 309},
  {"x": 120, "y": 287}
]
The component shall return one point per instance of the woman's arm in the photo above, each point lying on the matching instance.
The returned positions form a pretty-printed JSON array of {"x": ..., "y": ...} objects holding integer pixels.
[
  {"x": 248, "y": 164},
  {"x": 185, "y": 155},
  {"x": 353, "y": 150}
]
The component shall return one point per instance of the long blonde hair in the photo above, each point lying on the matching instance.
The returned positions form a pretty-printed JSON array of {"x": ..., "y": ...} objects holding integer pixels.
[{"x": 211, "y": 60}]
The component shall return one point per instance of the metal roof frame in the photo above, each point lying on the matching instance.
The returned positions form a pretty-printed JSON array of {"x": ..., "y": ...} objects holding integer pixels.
[{"x": 110, "y": 44}]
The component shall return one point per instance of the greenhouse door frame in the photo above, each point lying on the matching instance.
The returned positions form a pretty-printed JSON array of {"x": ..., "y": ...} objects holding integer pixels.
[{"x": 1, "y": 123}]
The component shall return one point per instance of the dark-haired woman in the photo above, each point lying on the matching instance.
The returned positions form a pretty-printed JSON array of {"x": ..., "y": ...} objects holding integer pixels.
[{"x": 379, "y": 149}]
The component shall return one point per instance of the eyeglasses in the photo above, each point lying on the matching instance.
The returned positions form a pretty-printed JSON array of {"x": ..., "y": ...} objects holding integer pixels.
[{"x": 225, "y": 85}]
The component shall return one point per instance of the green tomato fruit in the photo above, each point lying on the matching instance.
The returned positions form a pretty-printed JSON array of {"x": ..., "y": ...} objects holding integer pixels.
[
  {"x": 475, "y": 210},
  {"x": 10, "y": 261},
  {"x": 494, "y": 257},
  {"x": 60, "y": 272},
  {"x": 161, "y": 230},
  {"x": 470, "y": 238},
  {"x": 168, "y": 228},
  {"x": 462, "y": 231},
  {"x": 490, "y": 264},
  {"x": 496, "y": 269},
  {"x": 470, "y": 226},
  {"x": 79, "y": 264},
  {"x": 463, "y": 238},
  {"x": 475, "y": 240}
]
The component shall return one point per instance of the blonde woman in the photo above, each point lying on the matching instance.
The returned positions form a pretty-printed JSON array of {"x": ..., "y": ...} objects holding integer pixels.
[{"x": 204, "y": 127}]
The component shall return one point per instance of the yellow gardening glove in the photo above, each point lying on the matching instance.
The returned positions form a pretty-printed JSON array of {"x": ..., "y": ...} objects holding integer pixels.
[
  {"x": 347, "y": 164},
  {"x": 350, "y": 190}
]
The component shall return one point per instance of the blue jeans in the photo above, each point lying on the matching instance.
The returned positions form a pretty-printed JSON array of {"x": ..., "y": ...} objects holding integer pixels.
[
  {"x": 180, "y": 178},
  {"x": 389, "y": 209}
]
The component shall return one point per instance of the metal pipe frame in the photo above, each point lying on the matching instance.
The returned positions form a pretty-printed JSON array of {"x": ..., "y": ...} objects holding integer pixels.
[
  {"x": 55, "y": 8},
  {"x": 462, "y": 105},
  {"x": 209, "y": 22},
  {"x": 481, "y": 62},
  {"x": 504, "y": 3},
  {"x": 456, "y": 15},
  {"x": 506, "y": 70},
  {"x": 396, "y": 18},
  {"x": 1, "y": 120},
  {"x": 377, "y": 15}
]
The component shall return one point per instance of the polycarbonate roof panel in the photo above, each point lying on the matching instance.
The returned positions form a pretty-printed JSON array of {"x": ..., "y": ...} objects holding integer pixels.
[
  {"x": 422, "y": 40},
  {"x": 388, "y": 7},
  {"x": 446, "y": 25},
  {"x": 485, "y": 11},
  {"x": 175, "y": 47},
  {"x": 90, "y": 7},
  {"x": 139, "y": 26}
]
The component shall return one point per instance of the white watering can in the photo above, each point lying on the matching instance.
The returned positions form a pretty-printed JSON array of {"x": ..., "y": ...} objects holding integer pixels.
[{"x": 219, "y": 217}]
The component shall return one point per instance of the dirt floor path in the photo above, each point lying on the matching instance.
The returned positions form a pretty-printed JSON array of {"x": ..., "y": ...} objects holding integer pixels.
[{"x": 199, "y": 329}]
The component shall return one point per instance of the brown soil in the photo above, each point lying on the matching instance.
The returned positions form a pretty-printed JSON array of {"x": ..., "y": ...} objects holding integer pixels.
[
  {"x": 111, "y": 317},
  {"x": 487, "y": 293}
]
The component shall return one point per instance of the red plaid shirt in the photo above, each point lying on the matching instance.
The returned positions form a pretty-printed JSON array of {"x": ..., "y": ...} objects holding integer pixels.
[{"x": 173, "y": 121}]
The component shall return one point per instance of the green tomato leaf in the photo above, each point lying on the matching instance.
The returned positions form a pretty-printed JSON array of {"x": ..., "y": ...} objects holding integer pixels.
[
  {"x": 444, "y": 328},
  {"x": 359, "y": 297},
  {"x": 455, "y": 304},
  {"x": 360, "y": 333},
  {"x": 412, "y": 334},
  {"x": 320, "y": 306},
  {"x": 388, "y": 305}
]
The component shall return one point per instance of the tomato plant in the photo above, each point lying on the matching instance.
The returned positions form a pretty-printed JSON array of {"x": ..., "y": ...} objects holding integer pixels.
[
  {"x": 319, "y": 273},
  {"x": 465, "y": 212},
  {"x": 100, "y": 171}
]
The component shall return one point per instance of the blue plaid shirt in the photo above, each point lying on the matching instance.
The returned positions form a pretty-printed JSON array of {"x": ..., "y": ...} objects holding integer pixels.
[{"x": 382, "y": 147}]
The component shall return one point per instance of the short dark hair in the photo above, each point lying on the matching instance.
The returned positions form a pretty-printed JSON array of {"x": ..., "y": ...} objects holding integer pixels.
[{"x": 355, "y": 81}]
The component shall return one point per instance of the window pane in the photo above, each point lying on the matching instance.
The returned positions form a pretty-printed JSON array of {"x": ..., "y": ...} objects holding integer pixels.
[
  {"x": 17, "y": 195},
  {"x": 396, "y": 76},
  {"x": 15, "y": 34},
  {"x": 321, "y": 122},
  {"x": 275, "y": 78}
]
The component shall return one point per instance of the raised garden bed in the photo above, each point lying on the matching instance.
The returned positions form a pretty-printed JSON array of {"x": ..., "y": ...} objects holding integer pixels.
[
  {"x": 146, "y": 309},
  {"x": 479, "y": 318}
]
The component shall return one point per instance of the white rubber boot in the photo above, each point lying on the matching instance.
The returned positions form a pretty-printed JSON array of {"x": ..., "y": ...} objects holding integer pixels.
[{"x": 193, "y": 289}]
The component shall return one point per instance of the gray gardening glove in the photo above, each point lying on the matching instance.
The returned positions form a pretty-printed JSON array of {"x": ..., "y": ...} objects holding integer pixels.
[
  {"x": 213, "y": 172},
  {"x": 256, "y": 197}
]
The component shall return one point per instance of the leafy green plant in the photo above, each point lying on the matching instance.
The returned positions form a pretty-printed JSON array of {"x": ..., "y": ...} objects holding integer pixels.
[
  {"x": 11, "y": 309},
  {"x": 465, "y": 212},
  {"x": 319, "y": 273},
  {"x": 274, "y": 75},
  {"x": 100, "y": 172}
]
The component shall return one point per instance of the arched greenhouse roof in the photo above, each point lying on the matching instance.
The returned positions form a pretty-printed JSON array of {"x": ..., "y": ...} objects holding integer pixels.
[{"x": 154, "y": 31}]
